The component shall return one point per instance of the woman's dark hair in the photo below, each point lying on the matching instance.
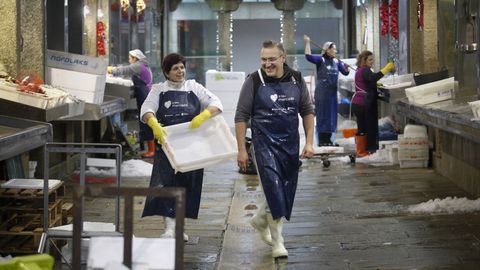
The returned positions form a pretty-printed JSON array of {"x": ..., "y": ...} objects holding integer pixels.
[
  {"x": 170, "y": 60},
  {"x": 362, "y": 58}
]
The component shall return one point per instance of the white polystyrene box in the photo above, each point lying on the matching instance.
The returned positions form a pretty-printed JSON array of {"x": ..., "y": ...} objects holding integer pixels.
[
  {"x": 475, "y": 105},
  {"x": 147, "y": 253},
  {"x": 85, "y": 86},
  {"x": 431, "y": 92},
  {"x": 226, "y": 86},
  {"x": 224, "y": 81},
  {"x": 191, "y": 149},
  {"x": 397, "y": 80}
]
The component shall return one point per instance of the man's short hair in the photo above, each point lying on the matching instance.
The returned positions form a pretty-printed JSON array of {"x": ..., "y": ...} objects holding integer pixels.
[{"x": 272, "y": 44}]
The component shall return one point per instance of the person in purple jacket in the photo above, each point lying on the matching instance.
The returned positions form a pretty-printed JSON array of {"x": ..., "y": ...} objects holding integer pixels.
[
  {"x": 326, "y": 104},
  {"x": 142, "y": 83},
  {"x": 364, "y": 103}
]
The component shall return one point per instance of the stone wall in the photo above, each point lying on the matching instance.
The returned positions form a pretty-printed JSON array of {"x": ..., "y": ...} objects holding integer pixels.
[
  {"x": 8, "y": 36},
  {"x": 22, "y": 37},
  {"x": 423, "y": 44}
]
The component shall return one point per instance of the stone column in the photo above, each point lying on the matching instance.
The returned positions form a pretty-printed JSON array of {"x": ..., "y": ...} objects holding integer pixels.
[
  {"x": 22, "y": 36},
  {"x": 224, "y": 9},
  {"x": 288, "y": 9}
]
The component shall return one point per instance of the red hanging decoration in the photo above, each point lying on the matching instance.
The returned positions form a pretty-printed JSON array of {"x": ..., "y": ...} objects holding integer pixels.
[
  {"x": 394, "y": 19},
  {"x": 420, "y": 15},
  {"x": 100, "y": 38},
  {"x": 384, "y": 17}
]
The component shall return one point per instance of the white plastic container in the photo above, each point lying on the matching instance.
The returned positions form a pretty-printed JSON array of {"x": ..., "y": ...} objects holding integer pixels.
[
  {"x": 431, "y": 92},
  {"x": 475, "y": 105},
  {"x": 414, "y": 131},
  {"x": 191, "y": 149}
]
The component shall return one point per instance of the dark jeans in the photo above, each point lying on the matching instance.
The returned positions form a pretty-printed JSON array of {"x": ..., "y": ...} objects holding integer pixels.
[{"x": 324, "y": 138}]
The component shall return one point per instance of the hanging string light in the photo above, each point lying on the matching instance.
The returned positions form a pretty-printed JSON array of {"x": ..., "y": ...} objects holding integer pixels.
[
  {"x": 230, "y": 44},
  {"x": 295, "y": 60},
  {"x": 217, "y": 49},
  {"x": 281, "y": 28}
]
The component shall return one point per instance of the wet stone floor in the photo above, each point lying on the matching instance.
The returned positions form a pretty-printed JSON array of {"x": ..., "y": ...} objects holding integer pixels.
[{"x": 347, "y": 216}]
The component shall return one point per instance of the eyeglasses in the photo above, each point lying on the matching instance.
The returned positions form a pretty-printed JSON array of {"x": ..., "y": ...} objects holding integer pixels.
[{"x": 270, "y": 59}]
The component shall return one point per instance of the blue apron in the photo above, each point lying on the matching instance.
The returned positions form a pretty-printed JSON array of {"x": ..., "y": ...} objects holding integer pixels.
[
  {"x": 175, "y": 107},
  {"x": 276, "y": 143},
  {"x": 326, "y": 96},
  {"x": 141, "y": 92}
]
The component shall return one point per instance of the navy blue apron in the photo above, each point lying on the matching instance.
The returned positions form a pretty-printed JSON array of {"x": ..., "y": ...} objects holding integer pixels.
[
  {"x": 175, "y": 107},
  {"x": 326, "y": 96},
  {"x": 276, "y": 143},
  {"x": 141, "y": 92}
]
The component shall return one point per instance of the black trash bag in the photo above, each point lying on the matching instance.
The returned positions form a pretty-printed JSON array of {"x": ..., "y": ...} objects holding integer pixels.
[{"x": 251, "y": 168}]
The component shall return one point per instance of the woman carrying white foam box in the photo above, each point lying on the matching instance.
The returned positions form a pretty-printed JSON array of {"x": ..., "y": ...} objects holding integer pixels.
[{"x": 173, "y": 102}]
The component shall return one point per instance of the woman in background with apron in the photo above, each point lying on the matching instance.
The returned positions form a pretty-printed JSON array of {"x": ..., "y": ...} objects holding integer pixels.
[
  {"x": 364, "y": 103},
  {"x": 326, "y": 104},
  {"x": 173, "y": 102},
  {"x": 142, "y": 83}
]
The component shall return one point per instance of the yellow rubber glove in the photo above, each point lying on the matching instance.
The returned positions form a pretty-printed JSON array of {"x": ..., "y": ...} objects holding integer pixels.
[
  {"x": 109, "y": 69},
  {"x": 387, "y": 68},
  {"x": 198, "y": 120},
  {"x": 158, "y": 131}
]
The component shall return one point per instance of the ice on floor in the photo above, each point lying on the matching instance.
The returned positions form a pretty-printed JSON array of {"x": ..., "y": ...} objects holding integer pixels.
[{"x": 448, "y": 205}]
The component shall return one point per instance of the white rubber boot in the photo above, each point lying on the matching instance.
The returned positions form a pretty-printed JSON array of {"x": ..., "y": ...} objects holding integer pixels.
[
  {"x": 170, "y": 229},
  {"x": 260, "y": 223},
  {"x": 278, "y": 249}
]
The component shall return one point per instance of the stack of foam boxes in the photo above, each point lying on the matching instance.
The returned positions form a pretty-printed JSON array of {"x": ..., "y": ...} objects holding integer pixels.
[{"x": 413, "y": 147}]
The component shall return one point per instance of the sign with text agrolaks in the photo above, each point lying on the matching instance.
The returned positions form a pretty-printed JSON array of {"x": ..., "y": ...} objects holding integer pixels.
[{"x": 76, "y": 62}]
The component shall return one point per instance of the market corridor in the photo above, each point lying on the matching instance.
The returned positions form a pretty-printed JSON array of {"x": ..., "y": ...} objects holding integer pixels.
[{"x": 347, "y": 216}]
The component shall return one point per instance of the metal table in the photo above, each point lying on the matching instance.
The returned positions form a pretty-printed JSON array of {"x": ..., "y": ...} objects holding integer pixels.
[
  {"x": 123, "y": 91},
  {"x": 453, "y": 116},
  {"x": 93, "y": 112},
  {"x": 20, "y": 135},
  {"x": 20, "y": 110}
]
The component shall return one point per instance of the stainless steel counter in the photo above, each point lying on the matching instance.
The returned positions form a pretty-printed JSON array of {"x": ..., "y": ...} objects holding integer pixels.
[
  {"x": 123, "y": 91},
  {"x": 453, "y": 116},
  {"x": 93, "y": 112},
  {"x": 20, "y": 110},
  {"x": 20, "y": 135}
]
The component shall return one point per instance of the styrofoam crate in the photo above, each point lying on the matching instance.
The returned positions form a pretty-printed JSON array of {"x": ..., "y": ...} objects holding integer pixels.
[
  {"x": 475, "y": 105},
  {"x": 413, "y": 148},
  {"x": 431, "y": 92},
  {"x": 397, "y": 81},
  {"x": 49, "y": 100},
  {"x": 191, "y": 149},
  {"x": 413, "y": 154},
  {"x": 224, "y": 81},
  {"x": 85, "y": 86},
  {"x": 413, "y": 163}
]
